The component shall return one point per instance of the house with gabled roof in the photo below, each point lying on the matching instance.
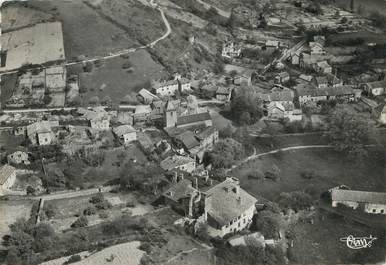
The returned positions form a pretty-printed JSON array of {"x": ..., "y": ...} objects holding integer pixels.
[
  {"x": 125, "y": 133},
  {"x": 146, "y": 97},
  {"x": 370, "y": 202}
]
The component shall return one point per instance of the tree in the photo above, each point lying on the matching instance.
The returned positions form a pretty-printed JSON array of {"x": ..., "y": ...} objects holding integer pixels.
[
  {"x": 350, "y": 132},
  {"x": 245, "y": 101},
  {"x": 225, "y": 153},
  {"x": 80, "y": 222},
  {"x": 297, "y": 200},
  {"x": 269, "y": 223}
]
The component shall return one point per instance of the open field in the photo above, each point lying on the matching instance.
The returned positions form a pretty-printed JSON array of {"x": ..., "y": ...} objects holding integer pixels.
[
  {"x": 369, "y": 37},
  {"x": 319, "y": 243},
  {"x": 329, "y": 167},
  {"x": 112, "y": 80}
]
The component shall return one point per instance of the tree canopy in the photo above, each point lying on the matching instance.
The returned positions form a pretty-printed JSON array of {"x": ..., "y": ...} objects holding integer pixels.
[{"x": 350, "y": 132}]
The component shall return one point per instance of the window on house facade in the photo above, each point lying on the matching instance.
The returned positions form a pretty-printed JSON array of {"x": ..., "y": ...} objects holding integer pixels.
[
  {"x": 382, "y": 211},
  {"x": 374, "y": 210}
]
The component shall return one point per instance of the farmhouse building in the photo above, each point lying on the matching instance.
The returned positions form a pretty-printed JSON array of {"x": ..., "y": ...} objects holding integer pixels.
[
  {"x": 125, "y": 133},
  {"x": 371, "y": 202}
]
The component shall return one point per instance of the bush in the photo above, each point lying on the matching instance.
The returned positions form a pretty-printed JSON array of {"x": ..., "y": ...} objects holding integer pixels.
[
  {"x": 145, "y": 246},
  {"x": 297, "y": 200},
  {"x": 97, "y": 198},
  {"x": 88, "y": 67},
  {"x": 80, "y": 222},
  {"x": 91, "y": 210}
]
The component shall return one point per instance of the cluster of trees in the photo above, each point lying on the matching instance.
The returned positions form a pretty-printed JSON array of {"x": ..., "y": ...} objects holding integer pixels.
[
  {"x": 350, "y": 132},
  {"x": 250, "y": 255},
  {"x": 145, "y": 177},
  {"x": 296, "y": 200},
  {"x": 31, "y": 244},
  {"x": 225, "y": 153},
  {"x": 246, "y": 108}
]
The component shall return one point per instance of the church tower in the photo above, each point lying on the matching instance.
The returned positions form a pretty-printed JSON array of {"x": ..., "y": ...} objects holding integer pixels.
[{"x": 170, "y": 115}]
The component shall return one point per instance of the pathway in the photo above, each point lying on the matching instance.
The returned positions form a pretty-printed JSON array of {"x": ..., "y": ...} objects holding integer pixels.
[{"x": 254, "y": 156}]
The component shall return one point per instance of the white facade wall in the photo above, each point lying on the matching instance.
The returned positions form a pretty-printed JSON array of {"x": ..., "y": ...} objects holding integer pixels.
[
  {"x": 350, "y": 204},
  {"x": 375, "y": 208},
  {"x": 129, "y": 137},
  {"x": 167, "y": 90}
]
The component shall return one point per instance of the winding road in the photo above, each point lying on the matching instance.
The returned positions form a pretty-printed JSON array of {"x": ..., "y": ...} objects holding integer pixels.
[
  {"x": 132, "y": 50},
  {"x": 254, "y": 156}
]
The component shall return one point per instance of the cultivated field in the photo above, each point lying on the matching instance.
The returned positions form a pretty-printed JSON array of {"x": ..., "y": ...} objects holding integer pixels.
[
  {"x": 25, "y": 16},
  {"x": 99, "y": 37}
]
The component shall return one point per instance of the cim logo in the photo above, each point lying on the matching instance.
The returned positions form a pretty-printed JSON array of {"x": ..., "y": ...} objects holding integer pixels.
[{"x": 358, "y": 242}]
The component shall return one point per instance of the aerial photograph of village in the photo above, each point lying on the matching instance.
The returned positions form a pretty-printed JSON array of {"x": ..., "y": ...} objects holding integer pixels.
[{"x": 193, "y": 132}]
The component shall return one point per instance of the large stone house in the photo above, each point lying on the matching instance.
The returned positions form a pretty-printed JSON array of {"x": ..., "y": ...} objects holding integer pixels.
[
  {"x": 7, "y": 178},
  {"x": 369, "y": 202},
  {"x": 224, "y": 207}
]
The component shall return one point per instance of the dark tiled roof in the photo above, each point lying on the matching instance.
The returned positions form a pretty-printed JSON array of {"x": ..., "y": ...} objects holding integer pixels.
[
  {"x": 228, "y": 201},
  {"x": 182, "y": 120},
  {"x": 189, "y": 140},
  {"x": 180, "y": 190}
]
